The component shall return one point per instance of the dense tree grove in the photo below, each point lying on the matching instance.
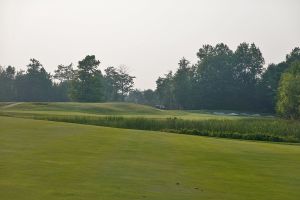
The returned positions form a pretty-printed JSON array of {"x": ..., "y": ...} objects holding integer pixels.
[
  {"x": 225, "y": 79},
  {"x": 148, "y": 97},
  {"x": 220, "y": 79},
  {"x": 86, "y": 83}
]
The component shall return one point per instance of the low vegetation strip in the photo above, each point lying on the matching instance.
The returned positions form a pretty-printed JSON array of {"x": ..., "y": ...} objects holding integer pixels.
[{"x": 262, "y": 129}]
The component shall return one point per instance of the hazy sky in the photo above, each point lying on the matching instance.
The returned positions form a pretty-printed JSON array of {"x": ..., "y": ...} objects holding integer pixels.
[{"x": 148, "y": 36}]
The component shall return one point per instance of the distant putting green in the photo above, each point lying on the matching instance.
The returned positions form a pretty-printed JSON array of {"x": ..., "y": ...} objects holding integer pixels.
[{"x": 54, "y": 160}]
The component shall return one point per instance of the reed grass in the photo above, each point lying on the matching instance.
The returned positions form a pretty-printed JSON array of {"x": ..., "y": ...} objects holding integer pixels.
[{"x": 262, "y": 129}]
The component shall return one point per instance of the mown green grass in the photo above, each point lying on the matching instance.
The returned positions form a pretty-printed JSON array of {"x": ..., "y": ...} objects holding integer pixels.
[
  {"x": 120, "y": 109},
  {"x": 53, "y": 160},
  {"x": 89, "y": 108}
]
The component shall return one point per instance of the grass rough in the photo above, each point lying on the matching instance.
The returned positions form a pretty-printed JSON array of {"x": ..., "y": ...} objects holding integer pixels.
[{"x": 129, "y": 116}]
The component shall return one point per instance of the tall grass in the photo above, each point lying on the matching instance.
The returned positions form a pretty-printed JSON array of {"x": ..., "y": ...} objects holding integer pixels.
[{"x": 248, "y": 128}]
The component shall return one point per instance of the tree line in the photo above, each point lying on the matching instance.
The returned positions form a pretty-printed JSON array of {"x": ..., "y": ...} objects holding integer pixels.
[
  {"x": 220, "y": 79},
  {"x": 229, "y": 80},
  {"x": 86, "y": 83}
]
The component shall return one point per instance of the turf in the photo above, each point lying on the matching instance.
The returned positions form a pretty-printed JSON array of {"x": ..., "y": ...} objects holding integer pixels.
[
  {"x": 92, "y": 108},
  {"x": 54, "y": 160},
  {"x": 120, "y": 109}
]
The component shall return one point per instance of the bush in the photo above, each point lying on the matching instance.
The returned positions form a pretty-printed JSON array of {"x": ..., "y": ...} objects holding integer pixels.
[{"x": 288, "y": 104}]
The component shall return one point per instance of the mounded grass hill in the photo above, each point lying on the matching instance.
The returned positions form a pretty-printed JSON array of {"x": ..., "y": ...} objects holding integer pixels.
[
  {"x": 111, "y": 108},
  {"x": 54, "y": 160},
  {"x": 88, "y": 108},
  {"x": 115, "y": 109}
]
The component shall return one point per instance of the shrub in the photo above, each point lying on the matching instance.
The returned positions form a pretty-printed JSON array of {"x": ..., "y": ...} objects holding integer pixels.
[{"x": 288, "y": 104}]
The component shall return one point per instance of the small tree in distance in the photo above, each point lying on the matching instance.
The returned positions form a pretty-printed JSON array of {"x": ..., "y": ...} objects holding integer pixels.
[
  {"x": 64, "y": 73},
  {"x": 125, "y": 81},
  {"x": 118, "y": 83}
]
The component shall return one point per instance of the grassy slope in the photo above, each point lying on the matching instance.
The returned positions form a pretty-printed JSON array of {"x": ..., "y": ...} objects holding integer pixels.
[
  {"x": 52, "y": 160},
  {"x": 120, "y": 109},
  {"x": 92, "y": 108}
]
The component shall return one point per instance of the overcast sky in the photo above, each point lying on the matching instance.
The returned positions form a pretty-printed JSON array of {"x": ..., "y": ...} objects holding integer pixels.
[{"x": 148, "y": 36}]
